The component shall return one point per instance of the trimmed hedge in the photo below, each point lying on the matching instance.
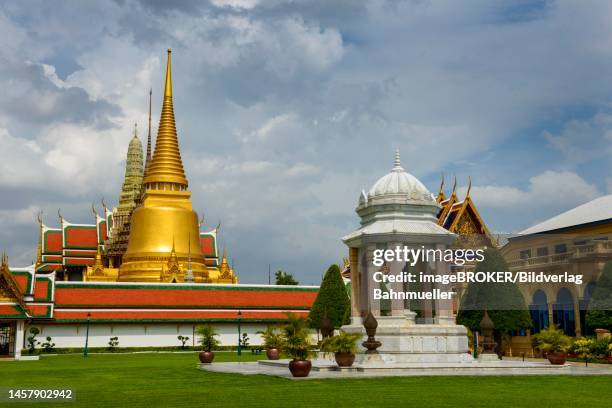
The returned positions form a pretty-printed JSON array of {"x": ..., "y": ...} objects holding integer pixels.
[{"x": 118, "y": 350}]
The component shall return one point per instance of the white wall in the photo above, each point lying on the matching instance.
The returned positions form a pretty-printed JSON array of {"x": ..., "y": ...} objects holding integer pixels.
[{"x": 140, "y": 335}]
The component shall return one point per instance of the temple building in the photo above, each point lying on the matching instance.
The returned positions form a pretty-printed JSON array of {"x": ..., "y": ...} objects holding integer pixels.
[
  {"x": 153, "y": 235},
  {"x": 131, "y": 191},
  {"x": 462, "y": 218},
  {"x": 578, "y": 241},
  {"x": 143, "y": 272}
]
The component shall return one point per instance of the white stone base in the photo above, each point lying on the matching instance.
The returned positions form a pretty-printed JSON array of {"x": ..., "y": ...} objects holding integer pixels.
[
  {"x": 403, "y": 341},
  {"x": 27, "y": 358},
  {"x": 488, "y": 357}
]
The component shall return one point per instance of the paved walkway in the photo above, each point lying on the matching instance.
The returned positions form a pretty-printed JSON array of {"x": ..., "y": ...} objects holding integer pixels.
[{"x": 324, "y": 369}]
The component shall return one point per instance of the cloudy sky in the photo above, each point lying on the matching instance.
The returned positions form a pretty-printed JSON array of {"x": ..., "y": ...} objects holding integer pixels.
[{"x": 286, "y": 109}]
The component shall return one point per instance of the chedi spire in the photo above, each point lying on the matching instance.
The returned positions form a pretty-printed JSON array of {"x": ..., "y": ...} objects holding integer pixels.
[{"x": 166, "y": 168}]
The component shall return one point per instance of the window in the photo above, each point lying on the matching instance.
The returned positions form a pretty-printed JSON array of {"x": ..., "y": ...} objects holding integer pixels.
[
  {"x": 582, "y": 242},
  {"x": 525, "y": 254},
  {"x": 560, "y": 248},
  {"x": 542, "y": 251}
]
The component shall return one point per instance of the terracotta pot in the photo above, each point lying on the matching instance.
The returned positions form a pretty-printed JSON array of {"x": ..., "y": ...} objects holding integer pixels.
[
  {"x": 273, "y": 353},
  {"x": 300, "y": 368},
  {"x": 344, "y": 359},
  {"x": 206, "y": 357},
  {"x": 557, "y": 357}
]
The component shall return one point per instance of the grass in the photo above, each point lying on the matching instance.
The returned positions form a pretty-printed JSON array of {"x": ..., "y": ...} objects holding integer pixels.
[{"x": 173, "y": 380}]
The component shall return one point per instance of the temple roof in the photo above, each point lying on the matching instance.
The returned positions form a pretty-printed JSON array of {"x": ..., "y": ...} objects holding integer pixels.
[
  {"x": 400, "y": 182},
  {"x": 597, "y": 210},
  {"x": 461, "y": 216}
]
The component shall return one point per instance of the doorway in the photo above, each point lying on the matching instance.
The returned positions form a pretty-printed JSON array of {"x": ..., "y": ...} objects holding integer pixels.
[{"x": 7, "y": 339}]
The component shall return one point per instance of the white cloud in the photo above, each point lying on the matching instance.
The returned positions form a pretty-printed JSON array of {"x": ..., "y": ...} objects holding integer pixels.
[
  {"x": 20, "y": 216},
  {"x": 285, "y": 113},
  {"x": 271, "y": 126},
  {"x": 550, "y": 188},
  {"x": 238, "y": 4},
  {"x": 584, "y": 140}
]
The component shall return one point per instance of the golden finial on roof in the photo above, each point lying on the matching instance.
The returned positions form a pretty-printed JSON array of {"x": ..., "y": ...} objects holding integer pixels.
[
  {"x": 469, "y": 187},
  {"x": 441, "y": 190},
  {"x": 225, "y": 271},
  {"x": 454, "y": 183},
  {"x": 59, "y": 214},
  {"x": 167, "y": 166},
  {"x": 98, "y": 261}
]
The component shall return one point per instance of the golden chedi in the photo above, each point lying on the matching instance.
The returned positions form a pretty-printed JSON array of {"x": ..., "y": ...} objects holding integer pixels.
[{"x": 164, "y": 240}]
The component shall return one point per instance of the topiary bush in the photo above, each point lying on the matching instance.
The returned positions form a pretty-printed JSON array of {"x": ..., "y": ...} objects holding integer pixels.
[{"x": 332, "y": 300}]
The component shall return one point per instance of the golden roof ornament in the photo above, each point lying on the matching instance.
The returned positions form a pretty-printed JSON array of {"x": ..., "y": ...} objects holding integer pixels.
[
  {"x": 167, "y": 166},
  {"x": 166, "y": 213},
  {"x": 469, "y": 187}
]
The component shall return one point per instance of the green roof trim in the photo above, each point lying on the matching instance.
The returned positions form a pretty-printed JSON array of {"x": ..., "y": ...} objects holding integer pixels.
[
  {"x": 171, "y": 286},
  {"x": 30, "y": 289}
]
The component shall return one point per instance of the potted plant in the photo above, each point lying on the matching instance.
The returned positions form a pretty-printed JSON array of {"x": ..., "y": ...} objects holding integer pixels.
[
  {"x": 344, "y": 347},
  {"x": 297, "y": 344},
  {"x": 553, "y": 343},
  {"x": 208, "y": 341},
  {"x": 273, "y": 342}
]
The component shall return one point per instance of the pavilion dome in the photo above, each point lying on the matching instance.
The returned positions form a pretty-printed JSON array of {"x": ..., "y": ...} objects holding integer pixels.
[{"x": 399, "y": 183}]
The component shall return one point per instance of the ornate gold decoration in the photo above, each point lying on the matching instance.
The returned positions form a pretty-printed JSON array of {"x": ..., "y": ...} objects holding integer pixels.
[
  {"x": 9, "y": 289},
  {"x": 167, "y": 166},
  {"x": 166, "y": 211},
  {"x": 226, "y": 273}
]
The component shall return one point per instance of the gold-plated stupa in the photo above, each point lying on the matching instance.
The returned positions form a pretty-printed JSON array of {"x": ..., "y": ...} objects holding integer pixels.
[{"x": 164, "y": 242}]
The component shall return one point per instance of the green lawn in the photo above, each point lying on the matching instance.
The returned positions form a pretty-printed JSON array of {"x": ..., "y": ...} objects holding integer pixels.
[{"x": 172, "y": 380}]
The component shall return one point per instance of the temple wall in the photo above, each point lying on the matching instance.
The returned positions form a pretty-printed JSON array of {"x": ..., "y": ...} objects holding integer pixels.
[{"x": 140, "y": 335}]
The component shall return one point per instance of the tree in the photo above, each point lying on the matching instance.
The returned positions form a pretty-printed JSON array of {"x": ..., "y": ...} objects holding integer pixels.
[
  {"x": 599, "y": 311},
  {"x": 503, "y": 301},
  {"x": 113, "y": 343},
  {"x": 183, "y": 340},
  {"x": 332, "y": 300},
  {"x": 284, "y": 278},
  {"x": 32, "y": 342}
]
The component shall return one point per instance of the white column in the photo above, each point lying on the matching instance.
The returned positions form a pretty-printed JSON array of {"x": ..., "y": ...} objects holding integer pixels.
[
  {"x": 355, "y": 284},
  {"x": 19, "y": 333},
  {"x": 395, "y": 268},
  {"x": 368, "y": 281},
  {"x": 426, "y": 304},
  {"x": 444, "y": 307}
]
